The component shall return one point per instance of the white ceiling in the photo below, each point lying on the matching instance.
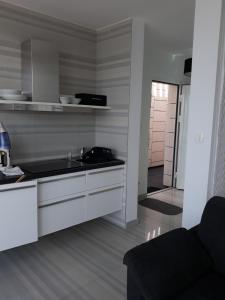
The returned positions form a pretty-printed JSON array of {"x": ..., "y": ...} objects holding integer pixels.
[{"x": 171, "y": 21}]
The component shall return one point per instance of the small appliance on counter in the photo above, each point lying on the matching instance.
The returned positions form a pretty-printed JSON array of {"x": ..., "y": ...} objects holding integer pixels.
[
  {"x": 92, "y": 99},
  {"x": 5, "y": 147},
  {"x": 97, "y": 155}
]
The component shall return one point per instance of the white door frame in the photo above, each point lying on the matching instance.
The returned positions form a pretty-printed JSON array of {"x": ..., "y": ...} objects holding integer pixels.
[{"x": 181, "y": 138}]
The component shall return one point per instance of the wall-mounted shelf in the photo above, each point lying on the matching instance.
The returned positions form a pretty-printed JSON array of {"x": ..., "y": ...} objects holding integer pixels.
[{"x": 7, "y": 105}]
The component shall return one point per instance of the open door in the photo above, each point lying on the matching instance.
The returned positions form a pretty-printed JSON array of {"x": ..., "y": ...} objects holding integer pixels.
[
  {"x": 181, "y": 143},
  {"x": 162, "y": 133}
]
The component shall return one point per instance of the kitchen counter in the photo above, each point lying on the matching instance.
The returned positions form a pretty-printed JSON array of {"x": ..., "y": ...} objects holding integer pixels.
[
  {"x": 58, "y": 194},
  {"x": 73, "y": 166}
]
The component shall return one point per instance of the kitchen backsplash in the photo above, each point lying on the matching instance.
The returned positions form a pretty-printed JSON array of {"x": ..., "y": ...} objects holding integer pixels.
[
  {"x": 89, "y": 61},
  {"x": 47, "y": 135}
]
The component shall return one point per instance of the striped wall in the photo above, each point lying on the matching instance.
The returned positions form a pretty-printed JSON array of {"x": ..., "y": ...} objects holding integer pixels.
[
  {"x": 47, "y": 135},
  {"x": 89, "y": 61},
  {"x": 43, "y": 135},
  {"x": 113, "y": 80}
]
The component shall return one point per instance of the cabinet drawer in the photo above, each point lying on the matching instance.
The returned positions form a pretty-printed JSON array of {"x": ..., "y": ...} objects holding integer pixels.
[
  {"x": 104, "y": 177},
  {"x": 18, "y": 214},
  {"x": 61, "y": 215},
  {"x": 60, "y": 186},
  {"x": 104, "y": 202}
]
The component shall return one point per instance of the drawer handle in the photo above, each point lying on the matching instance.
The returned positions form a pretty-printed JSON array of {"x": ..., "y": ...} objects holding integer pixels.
[
  {"x": 107, "y": 190},
  {"x": 61, "y": 201},
  {"x": 16, "y": 188},
  {"x": 60, "y": 179},
  {"x": 104, "y": 171}
]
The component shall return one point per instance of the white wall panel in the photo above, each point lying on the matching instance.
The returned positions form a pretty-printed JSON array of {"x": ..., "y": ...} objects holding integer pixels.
[{"x": 203, "y": 100}]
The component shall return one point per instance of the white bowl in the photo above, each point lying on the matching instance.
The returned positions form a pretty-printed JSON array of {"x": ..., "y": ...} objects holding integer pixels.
[
  {"x": 75, "y": 100},
  {"x": 8, "y": 92},
  {"x": 65, "y": 100}
]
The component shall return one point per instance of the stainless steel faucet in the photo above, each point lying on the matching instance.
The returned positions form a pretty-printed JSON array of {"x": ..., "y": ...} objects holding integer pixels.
[{"x": 82, "y": 152}]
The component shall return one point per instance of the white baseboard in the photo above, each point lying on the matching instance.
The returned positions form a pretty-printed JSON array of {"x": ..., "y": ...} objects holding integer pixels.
[
  {"x": 117, "y": 222},
  {"x": 142, "y": 197},
  {"x": 120, "y": 223}
]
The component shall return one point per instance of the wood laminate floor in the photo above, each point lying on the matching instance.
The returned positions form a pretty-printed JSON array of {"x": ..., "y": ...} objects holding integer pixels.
[{"x": 81, "y": 263}]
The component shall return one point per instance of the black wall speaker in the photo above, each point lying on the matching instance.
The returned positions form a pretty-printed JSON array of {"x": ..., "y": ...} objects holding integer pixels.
[{"x": 188, "y": 67}]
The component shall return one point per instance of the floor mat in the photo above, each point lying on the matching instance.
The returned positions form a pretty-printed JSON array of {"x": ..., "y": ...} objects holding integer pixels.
[{"x": 162, "y": 207}]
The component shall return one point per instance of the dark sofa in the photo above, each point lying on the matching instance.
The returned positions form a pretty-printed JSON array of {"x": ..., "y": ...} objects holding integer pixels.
[{"x": 181, "y": 264}]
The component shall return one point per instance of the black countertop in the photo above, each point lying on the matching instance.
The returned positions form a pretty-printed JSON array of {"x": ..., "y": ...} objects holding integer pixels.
[{"x": 73, "y": 166}]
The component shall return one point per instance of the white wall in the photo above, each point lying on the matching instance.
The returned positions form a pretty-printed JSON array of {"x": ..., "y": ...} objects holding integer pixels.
[
  {"x": 167, "y": 65},
  {"x": 161, "y": 65},
  {"x": 201, "y": 108}
]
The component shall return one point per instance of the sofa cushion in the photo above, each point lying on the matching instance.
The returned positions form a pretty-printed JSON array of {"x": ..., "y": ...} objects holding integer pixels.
[
  {"x": 209, "y": 287},
  {"x": 168, "y": 264},
  {"x": 212, "y": 231}
]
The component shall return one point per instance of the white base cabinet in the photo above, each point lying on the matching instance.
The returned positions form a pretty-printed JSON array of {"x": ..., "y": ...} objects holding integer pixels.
[
  {"x": 54, "y": 217},
  {"x": 39, "y": 207},
  {"x": 104, "y": 177},
  {"x": 104, "y": 202},
  {"x": 68, "y": 200},
  {"x": 60, "y": 186},
  {"x": 18, "y": 214}
]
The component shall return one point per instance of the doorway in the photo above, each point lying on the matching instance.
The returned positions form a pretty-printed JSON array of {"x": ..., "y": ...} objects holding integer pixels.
[{"x": 162, "y": 135}]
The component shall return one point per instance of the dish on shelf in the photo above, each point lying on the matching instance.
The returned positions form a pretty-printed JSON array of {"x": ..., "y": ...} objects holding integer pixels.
[
  {"x": 69, "y": 99},
  {"x": 76, "y": 100},
  {"x": 7, "y": 92},
  {"x": 14, "y": 97},
  {"x": 64, "y": 100}
]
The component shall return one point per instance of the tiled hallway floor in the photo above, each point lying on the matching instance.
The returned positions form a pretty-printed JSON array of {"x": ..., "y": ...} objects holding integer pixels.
[
  {"x": 84, "y": 262},
  {"x": 155, "y": 178}
]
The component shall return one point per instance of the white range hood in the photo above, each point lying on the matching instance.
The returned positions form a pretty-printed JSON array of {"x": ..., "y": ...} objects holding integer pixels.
[{"x": 40, "y": 71}]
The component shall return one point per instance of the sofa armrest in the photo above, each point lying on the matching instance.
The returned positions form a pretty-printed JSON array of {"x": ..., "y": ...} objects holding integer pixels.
[{"x": 164, "y": 266}]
